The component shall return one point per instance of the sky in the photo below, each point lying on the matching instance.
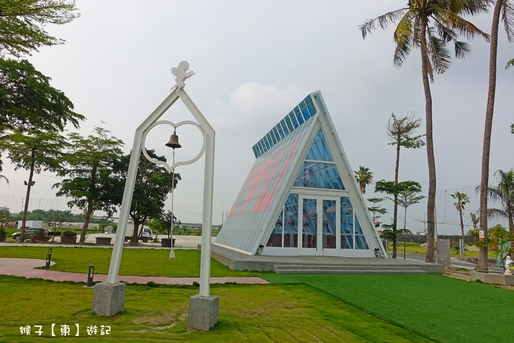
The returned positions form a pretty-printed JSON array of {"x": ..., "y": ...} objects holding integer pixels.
[{"x": 253, "y": 62}]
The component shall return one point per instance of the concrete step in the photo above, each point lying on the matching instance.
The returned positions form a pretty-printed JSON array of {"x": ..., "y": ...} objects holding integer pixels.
[{"x": 346, "y": 269}]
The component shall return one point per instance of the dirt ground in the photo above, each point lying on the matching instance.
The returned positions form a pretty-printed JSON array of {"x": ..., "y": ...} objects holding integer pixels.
[{"x": 463, "y": 274}]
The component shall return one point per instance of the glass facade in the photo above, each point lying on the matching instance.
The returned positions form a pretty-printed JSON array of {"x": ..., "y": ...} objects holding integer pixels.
[
  {"x": 298, "y": 116},
  {"x": 294, "y": 200},
  {"x": 319, "y": 169},
  {"x": 321, "y": 220}
]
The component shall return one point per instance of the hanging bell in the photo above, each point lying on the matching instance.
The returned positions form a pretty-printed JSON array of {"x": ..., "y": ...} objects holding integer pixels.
[{"x": 173, "y": 143}]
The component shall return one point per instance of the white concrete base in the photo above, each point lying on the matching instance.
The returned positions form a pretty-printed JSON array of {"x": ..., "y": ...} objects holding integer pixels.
[
  {"x": 492, "y": 278},
  {"x": 203, "y": 312},
  {"x": 109, "y": 298}
]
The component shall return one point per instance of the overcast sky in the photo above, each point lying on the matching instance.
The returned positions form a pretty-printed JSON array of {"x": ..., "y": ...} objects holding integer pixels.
[{"x": 254, "y": 61}]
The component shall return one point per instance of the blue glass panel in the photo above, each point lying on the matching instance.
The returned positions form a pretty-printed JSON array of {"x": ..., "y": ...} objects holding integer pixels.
[
  {"x": 310, "y": 105},
  {"x": 319, "y": 175},
  {"x": 319, "y": 150},
  {"x": 360, "y": 240},
  {"x": 271, "y": 138},
  {"x": 293, "y": 119},
  {"x": 346, "y": 223},
  {"x": 329, "y": 224},
  {"x": 309, "y": 223},
  {"x": 291, "y": 221},
  {"x": 284, "y": 127},
  {"x": 298, "y": 115},
  {"x": 277, "y": 134},
  {"x": 255, "y": 151},
  {"x": 280, "y": 130},
  {"x": 289, "y": 123},
  {"x": 261, "y": 147},
  {"x": 305, "y": 111},
  {"x": 266, "y": 143},
  {"x": 275, "y": 239}
]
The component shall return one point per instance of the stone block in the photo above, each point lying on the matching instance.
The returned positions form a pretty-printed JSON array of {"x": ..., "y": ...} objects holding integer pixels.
[
  {"x": 109, "y": 298},
  {"x": 492, "y": 278},
  {"x": 203, "y": 312}
]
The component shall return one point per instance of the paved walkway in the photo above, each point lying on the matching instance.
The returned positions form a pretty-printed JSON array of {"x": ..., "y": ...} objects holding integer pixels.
[{"x": 24, "y": 267}]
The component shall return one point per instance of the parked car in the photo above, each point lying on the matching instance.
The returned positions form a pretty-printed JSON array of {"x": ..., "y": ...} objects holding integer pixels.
[{"x": 28, "y": 233}]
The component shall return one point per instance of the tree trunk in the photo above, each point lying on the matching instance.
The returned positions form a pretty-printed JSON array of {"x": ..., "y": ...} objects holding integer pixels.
[
  {"x": 462, "y": 229},
  {"x": 87, "y": 217},
  {"x": 425, "y": 63},
  {"x": 27, "y": 196},
  {"x": 488, "y": 128},
  {"x": 134, "y": 239},
  {"x": 395, "y": 208}
]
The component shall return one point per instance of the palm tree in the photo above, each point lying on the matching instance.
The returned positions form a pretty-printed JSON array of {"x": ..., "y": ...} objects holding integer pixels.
[
  {"x": 504, "y": 193},
  {"x": 510, "y": 64},
  {"x": 400, "y": 133},
  {"x": 430, "y": 25},
  {"x": 475, "y": 220},
  {"x": 462, "y": 200},
  {"x": 364, "y": 177},
  {"x": 503, "y": 9}
]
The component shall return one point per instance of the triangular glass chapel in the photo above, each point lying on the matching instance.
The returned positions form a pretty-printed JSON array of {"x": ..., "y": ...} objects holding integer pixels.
[{"x": 301, "y": 197}]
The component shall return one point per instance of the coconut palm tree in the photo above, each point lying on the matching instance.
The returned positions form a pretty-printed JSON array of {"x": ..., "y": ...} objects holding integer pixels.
[
  {"x": 462, "y": 200},
  {"x": 503, "y": 193},
  {"x": 430, "y": 25},
  {"x": 504, "y": 10},
  {"x": 364, "y": 177}
]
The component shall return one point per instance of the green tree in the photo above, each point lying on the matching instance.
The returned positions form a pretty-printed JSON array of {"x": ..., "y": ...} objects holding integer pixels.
[
  {"x": 462, "y": 200},
  {"x": 406, "y": 199},
  {"x": 376, "y": 210},
  {"x": 22, "y": 24},
  {"x": 430, "y": 26},
  {"x": 364, "y": 177},
  {"x": 29, "y": 103},
  {"x": 153, "y": 184},
  {"x": 36, "y": 153},
  {"x": 88, "y": 166},
  {"x": 400, "y": 132},
  {"x": 503, "y": 10},
  {"x": 394, "y": 189},
  {"x": 504, "y": 194}
]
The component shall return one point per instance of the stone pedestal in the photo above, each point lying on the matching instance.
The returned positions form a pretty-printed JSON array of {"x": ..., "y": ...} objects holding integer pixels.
[
  {"x": 203, "y": 312},
  {"x": 109, "y": 298},
  {"x": 492, "y": 278}
]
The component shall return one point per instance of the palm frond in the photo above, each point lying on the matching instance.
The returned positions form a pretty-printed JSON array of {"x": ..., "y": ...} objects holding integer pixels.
[
  {"x": 462, "y": 49},
  {"x": 382, "y": 21},
  {"x": 402, "y": 51},
  {"x": 474, "y": 7},
  {"x": 439, "y": 55},
  {"x": 508, "y": 19},
  {"x": 510, "y": 64}
]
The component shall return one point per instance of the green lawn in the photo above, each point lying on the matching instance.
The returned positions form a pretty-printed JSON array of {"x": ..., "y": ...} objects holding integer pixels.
[
  {"x": 435, "y": 306},
  {"x": 248, "y": 313},
  {"x": 293, "y": 308},
  {"x": 138, "y": 262}
]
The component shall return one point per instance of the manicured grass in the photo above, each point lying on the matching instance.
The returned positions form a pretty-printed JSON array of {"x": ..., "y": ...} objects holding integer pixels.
[
  {"x": 248, "y": 313},
  {"x": 329, "y": 308},
  {"x": 444, "y": 309},
  {"x": 137, "y": 262},
  {"x": 416, "y": 248}
]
